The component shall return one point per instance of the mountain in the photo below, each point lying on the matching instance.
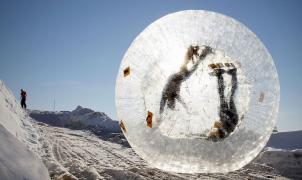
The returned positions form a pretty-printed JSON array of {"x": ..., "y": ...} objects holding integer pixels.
[
  {"x": 80, "y": 118},
  {"x": 286, "y": 140}
]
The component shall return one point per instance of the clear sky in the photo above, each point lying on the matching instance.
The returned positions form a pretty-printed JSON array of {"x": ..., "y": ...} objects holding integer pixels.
[{"x": 70, "y": 50}]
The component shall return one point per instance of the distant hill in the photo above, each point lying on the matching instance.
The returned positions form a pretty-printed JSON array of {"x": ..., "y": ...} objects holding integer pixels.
[
  {"x": 83, "y": 119},
  {"x": 286, "y": 140},
  {"x": 80, "y": 118}
]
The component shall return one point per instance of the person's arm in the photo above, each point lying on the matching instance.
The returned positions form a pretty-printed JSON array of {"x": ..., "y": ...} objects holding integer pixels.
[{"x": 202, "y": 56}]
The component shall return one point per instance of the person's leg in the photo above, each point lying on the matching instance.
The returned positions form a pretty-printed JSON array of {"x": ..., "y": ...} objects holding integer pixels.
[
  {"x": 219, "y": 132},
  {"x": 229, "y": 116},
  {"x": 233, "y": 73},
  {"x": 162, "y": 104},
  {"x": 221, "y": 87},
  {"x": 232, "y": 107},
  {"x": 22, "y": 102}
]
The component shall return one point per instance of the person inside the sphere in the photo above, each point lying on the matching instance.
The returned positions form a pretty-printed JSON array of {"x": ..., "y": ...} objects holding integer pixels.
[
  {"x": 23, "y": 99},
  {"x": 227, "y": 112},
  {"x": 171, "y": 91}
]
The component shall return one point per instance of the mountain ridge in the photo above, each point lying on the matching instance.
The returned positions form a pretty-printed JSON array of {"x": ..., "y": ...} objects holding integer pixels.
[{"x": 79, "y": 118}]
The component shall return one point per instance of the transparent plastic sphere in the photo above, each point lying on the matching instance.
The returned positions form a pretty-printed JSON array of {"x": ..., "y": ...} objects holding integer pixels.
[{"x": 197, "y": 92}]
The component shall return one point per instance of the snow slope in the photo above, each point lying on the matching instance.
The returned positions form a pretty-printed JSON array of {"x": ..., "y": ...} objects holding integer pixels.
[
  {"x": 17, "y": 162},
  {"x": 10, "y": 112},
  {"x": 17, "y": 136},
  {"x": 82, "y": 155}
]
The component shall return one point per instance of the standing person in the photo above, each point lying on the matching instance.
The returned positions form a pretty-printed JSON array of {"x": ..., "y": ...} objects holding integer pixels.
[{"x": 23, "y": 99}]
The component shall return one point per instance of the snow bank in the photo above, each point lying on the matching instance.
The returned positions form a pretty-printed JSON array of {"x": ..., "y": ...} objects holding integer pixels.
[
  {"x": 17, "y": 136},
  {"x": 10, "y": 112}
]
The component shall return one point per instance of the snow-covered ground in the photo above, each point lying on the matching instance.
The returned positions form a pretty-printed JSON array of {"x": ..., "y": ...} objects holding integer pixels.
[
  {"x": 81, "y": 151},
  {"x": 83, "y": 155}
]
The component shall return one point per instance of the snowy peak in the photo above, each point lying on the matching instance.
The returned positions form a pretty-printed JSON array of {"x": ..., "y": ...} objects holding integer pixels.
[
  {"x": 90, "y": 114},
  {"x": 78, "y": 108}
]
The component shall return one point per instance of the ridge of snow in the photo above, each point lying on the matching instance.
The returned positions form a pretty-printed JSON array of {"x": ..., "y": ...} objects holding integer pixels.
[
  {"x": 15, "y": 119},
  {"x": 10, "y": 112}
]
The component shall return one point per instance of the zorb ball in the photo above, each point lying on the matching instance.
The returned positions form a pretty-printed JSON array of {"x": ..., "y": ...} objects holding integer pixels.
[{"x": 197, "y": 92}]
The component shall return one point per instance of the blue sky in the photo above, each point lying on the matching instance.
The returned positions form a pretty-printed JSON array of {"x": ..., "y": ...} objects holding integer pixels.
[{"x": 71, "y": 50}]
